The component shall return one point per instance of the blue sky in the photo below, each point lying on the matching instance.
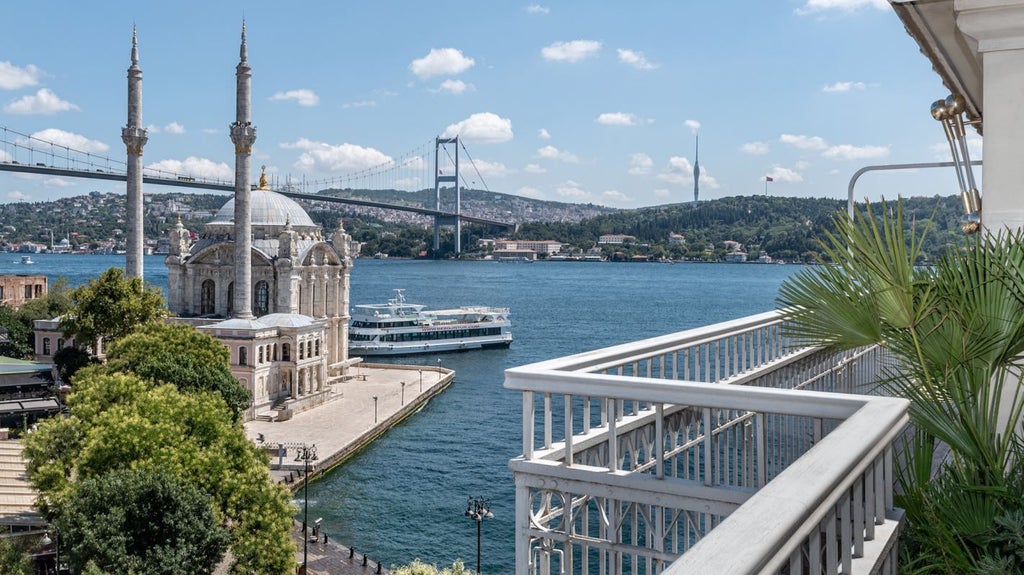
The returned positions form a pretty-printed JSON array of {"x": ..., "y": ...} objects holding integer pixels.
[{"x": 576, "y": 101}]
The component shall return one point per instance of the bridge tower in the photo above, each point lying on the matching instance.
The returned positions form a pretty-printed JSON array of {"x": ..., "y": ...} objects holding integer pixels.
[
  {"x": 134, "y": 137},
  {"x": 440, "y": 178}
]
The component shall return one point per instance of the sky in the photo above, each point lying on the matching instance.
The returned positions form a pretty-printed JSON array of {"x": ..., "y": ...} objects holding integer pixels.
[{"x": 578, "y": 101}]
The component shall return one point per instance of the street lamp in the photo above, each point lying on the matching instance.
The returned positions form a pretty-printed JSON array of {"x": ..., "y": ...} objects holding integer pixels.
[
  {"x": 478, "y": 509},
  {"x": 305, "y": 454},
  {"x": 375, "y": 409},
  {"x": 421, "y": 381},
  {"x": 46, "y": 542},
  {"x": 403, "y": 393}
]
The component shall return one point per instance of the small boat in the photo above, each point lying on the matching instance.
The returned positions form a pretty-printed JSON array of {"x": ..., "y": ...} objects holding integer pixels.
[
  {"x": 27, "y": 260},
  {"x": 400, "y": 328}
]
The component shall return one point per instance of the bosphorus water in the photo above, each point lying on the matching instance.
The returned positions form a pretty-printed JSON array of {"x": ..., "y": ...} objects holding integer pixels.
[{"x": 404, "y": 496}]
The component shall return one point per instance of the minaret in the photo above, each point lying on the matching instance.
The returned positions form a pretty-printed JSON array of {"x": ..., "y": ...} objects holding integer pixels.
[
  {"x": 696, "y": 170},
  {"x": 243, "y": 135},
  {"x": 134, "y": 137}
]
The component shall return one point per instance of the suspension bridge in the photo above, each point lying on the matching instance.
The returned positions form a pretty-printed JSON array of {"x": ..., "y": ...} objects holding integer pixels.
[{"x": 436, "y": 162}]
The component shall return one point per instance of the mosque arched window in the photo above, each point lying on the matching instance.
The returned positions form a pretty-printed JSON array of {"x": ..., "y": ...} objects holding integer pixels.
[
  {"x": 243, "y": 356},
  {"x": 261, "y": 304},
  {"x": 286, "y": 352},
  {"x": 231, "y": 298},
  {"x": 46, "y": 346},
  {"x": 207, "y": 298}
]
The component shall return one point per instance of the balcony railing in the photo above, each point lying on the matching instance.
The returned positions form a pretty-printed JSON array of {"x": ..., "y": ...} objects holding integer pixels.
[{"x": 724, "y": 449}]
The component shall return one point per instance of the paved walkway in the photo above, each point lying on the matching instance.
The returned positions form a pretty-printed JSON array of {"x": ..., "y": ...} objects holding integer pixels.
[{"x": 366, "y": 406}]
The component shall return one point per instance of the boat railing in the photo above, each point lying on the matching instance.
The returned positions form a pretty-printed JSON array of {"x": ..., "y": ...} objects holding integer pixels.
[{"x": 668, "y": 455}]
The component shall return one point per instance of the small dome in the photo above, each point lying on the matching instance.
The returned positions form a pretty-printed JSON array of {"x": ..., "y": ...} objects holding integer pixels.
[{"x": 268, "y": 209}]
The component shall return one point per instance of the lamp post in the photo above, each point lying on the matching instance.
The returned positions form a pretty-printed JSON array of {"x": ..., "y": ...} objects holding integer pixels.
[
  {"x": 375, "y": 409},
  {"x": 403, "y": 393},
  {"x": 305, "y": 454},
  {"x": 421, "y": 381},
  {"x": 46, "y": 542},
  {"x": 478, "y": 509}
]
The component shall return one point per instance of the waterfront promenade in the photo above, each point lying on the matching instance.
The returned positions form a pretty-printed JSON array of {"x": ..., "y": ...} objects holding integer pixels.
[{"x": 364, "y": 407}]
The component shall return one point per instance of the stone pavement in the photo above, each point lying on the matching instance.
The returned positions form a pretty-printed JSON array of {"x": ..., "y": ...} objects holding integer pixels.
[{"x": 367, "y": 405}]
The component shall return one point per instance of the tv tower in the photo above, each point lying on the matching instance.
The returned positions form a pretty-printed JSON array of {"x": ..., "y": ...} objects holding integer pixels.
[{"x": 696, "y": 170}]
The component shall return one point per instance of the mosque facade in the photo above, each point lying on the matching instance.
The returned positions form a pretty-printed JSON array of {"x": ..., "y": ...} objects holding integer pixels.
[{"x": 261, "y": 277}]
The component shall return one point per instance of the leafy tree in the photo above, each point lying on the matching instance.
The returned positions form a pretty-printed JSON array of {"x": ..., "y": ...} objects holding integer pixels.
[
  {"x": 112, "y": 306},
  {"x": 180, "y": 355},
  {"x": 17, "y": 336},
  {"x": 957, "y": 331},
  {"x": 56, "y": 303},
  {"x": 142, "y": 521},
  {"x": 13, "y": 560},
  {"x": 119, "y": 422},
  {"x": 418, "y": 567},
  {"x": 69, "y": 360}
]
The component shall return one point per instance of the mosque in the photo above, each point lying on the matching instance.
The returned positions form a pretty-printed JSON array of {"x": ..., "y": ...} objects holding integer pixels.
[{"x": 260, "y": 277}]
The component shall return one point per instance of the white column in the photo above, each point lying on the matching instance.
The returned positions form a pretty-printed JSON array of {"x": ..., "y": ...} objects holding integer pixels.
[{"x": 998, "y": 27}]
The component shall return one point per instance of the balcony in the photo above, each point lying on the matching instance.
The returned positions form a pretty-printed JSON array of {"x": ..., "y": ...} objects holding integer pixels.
[{"x": 724, "y": 449}]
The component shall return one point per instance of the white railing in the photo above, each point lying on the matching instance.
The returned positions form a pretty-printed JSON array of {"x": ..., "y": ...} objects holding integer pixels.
[{"x": 715, "y": 450}]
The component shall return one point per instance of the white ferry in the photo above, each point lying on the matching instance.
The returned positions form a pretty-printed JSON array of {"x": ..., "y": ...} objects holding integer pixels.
[{"x": 400, "y": 328}]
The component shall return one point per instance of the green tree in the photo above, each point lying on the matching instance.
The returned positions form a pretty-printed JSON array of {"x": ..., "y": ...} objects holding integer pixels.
[
  {"x": 16, "y": 335},
  {"x": 13, "y": 560},
  {"x": 418, "y": 567},
  {"x": 119, "y": 421},
  {"x": 69, "y": 360},
  {"x": 180, "y": 355},
  {"x": 112, "y": 306},
  {"x": 142, "y": 521},
  {"x": 957, "y": 331}
]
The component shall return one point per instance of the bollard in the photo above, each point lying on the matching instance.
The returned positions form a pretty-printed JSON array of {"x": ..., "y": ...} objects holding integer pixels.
[
  {"x": 351, "y": 552},
  {"x": 378, "y": 568},
  {"x": 364, "y": 560},
  {"x": 325, "y": 539}
]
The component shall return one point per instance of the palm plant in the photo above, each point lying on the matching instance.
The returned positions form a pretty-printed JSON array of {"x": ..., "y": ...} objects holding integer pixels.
[{"x": 956, "y": 331}]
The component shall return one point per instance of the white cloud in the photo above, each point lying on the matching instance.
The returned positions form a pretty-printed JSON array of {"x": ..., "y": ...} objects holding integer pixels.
[
  {"x": 322, "y": 157},
  {"x": 804, "y": 142},
  {"x": 814, "y": 6},
  {"x": 693, "y": 125},
  {"x": 537, "y": 9},
  {"x": 454, "y": 86},
  {"x": 440, "y": 62},
  {"x": 680, "y": 171},
  {"x": 529, "y": 192},
  {"x": 635, "y": 59},
  {"x": 571, "y": 51},
  {"x": 755, "y": 148},
  {"x": 42, "y": 102},
  {"x": 640, "y": 164},
  {"x": 412, "y": 183},
  {"x": 616, "y": 119},
  {"x": 802, "y": 165},
  {"x": 13, "y": 77},
  {"x": 17, "y": 196},
  {"x": 553, "y": 153},
  {"x": 615, "y": 196},
  {"x": 43, "y": 138},
  {"x": 848, "y": 152},
  {"x": 489, "y": 169},
  {"x": 57, "y": 183},
  {"x": 543, "y": 134},
  {"x": 570, "y": 189},
  {"x": 534, "y": 169},
  {"x": 780, "y": 174},
  {"x": 303, "y": 97},
  {"x": 360, "y": 104},
  {"x": 174, "y": 128},
  {"x": 195, "y": 167},
  {"x": 844, "y": 86},
  {"x": 483, "y": 127}
]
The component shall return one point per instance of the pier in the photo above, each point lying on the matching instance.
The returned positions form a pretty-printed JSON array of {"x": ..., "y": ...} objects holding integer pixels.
[{"x": 376, "y": 398}]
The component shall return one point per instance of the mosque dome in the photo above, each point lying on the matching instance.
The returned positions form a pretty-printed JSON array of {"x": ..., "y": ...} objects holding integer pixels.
[{"x": 268, "y": 209}]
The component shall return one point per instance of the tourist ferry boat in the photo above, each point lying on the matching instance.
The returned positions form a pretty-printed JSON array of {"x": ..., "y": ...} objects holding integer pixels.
[{"x": 400, "y": 328}]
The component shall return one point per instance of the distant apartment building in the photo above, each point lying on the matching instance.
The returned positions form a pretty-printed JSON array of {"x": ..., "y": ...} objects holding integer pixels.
[
  {"x": 615, "y": 239},
  {"x": 15, "y": 290},
  {"x": 675, "y": 239}
]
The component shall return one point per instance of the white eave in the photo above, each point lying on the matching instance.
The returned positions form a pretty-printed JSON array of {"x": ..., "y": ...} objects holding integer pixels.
[{"x": 954, "y": 56}]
